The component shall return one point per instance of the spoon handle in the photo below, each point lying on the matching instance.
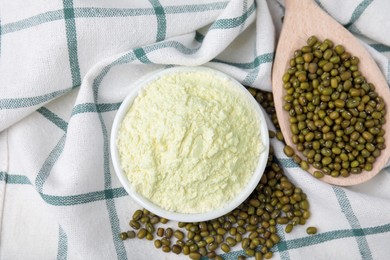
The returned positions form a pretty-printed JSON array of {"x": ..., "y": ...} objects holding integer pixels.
[
  {"x": 302, "y": 10},
  {"x": 298, "y": 3}
]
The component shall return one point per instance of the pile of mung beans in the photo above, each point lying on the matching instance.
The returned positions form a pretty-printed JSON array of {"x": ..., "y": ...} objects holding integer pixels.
[
  {"x": 336, "y": 117},
  {"x": 252, "y": 225}
]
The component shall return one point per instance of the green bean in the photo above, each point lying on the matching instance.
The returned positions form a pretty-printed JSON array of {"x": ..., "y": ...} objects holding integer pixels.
[{"x": 311, "y": 230}]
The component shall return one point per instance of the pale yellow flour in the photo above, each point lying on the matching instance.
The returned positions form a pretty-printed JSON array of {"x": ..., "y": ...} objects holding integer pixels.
[{"x": 190, "y": 142}]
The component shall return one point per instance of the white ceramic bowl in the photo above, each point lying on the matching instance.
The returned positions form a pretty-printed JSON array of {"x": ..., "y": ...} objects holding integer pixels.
[{"x": 243, "y": 195}]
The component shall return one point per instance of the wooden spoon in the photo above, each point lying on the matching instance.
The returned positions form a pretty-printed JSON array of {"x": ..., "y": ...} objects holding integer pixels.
[{"x": 304, "y": 18}]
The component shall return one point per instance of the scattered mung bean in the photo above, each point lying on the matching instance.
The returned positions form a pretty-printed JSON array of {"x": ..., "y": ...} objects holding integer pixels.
[
  {"x": 142, "y": 233},
  {"x": 166, "y": 249},
  {"x": 123, "y": 235},
  {"x": 157, "y": 243},
  {"x": 311, "y": 230},
  {"x": 176, "y": 249},
  {"x": 289, "y": 151},
  {"x": 131, "y": 234}
]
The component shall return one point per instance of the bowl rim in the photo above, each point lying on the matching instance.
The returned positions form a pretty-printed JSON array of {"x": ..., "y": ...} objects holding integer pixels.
[{"x": 188, "y": 217}]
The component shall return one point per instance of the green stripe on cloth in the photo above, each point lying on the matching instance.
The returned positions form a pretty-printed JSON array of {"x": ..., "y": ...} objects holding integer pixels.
[
  {"x": 33, "y": 21},
  {"x": 268, "y": 57},
  {"x": 251, "y": 77},
  {"x": 92, "y": 107},
  {"x": 354, "y": 30},
  {"x": 141, "y": 55},
  {"x": 171, "y": 44},
  {"x": 44, "y": 172},
  {"x": 14, "y": 179},
  {"x": 281, "y": 247},
  {"x": 161, "y": 20},
  {"x": 180, "y": 9},
  {"x": 62, "y": 252},
  {"x": 380, "y": 47},
  {"x": 110, "y": 203},
  {"x": 358, "y": 232},
  {"x": 71, "y": 37},
  {"x": 233, "y": 255},
  {"x": 229, "y": 23},
  {"x": 96, "y": 12},
  {"x": 92, "y": 12},
  {"x": 261, "y": 59},
  {"x": 70, "y": 200},
  {"x": 107, "y": 107},
  {"x": 388, "y": 72},
  {"x": 333, "y": 235},
  {"x": 287, "y": 163},
  {"x": 0, "y": 36},
  {"x": 244, "y": 10},
  {"x": 199, "y": 37},
  {"x": 62, "y": 124},
  {"x": 12, "y": 103},
  {"x": 84, "y": 198},
  {"x": 359, "y": 10},
  {"x": 318, "y": 238},
  {"x": 87, "y": 12},
  {"x": 254, "y": 66}
]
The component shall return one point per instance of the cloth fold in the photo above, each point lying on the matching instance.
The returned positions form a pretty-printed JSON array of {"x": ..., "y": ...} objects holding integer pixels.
[{"x": 65, "y": 68}]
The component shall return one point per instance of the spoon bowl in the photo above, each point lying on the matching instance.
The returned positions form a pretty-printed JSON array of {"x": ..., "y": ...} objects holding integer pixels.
[{"x": 303, "y": 18}]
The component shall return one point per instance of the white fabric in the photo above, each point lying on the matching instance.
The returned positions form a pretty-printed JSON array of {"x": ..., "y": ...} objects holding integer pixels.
[{"x": 65, "y": 66}]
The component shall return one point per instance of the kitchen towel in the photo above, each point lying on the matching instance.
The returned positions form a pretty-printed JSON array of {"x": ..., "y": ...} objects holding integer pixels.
[{"x": 66, "y": 66}]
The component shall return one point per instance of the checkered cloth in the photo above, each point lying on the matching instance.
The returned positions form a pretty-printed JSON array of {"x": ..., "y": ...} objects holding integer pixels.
[{"x": 65, "y": 67}]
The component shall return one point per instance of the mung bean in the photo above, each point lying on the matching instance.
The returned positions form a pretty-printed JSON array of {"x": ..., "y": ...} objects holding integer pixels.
[
  {"x": 123, "y": 236},
  {"x": 311, "y": 230}
]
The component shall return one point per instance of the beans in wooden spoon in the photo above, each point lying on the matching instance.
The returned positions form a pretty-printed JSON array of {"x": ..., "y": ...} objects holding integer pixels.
[{"x": 303, "y": 19}]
